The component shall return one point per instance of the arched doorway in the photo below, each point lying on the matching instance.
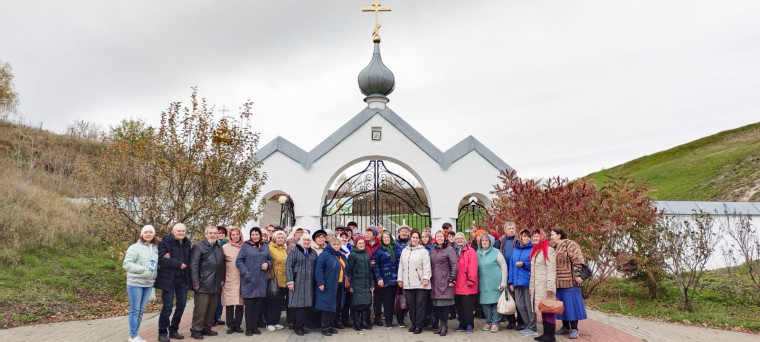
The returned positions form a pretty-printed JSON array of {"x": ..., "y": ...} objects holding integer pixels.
[
  {"x": 278, "y": 208},
  {"x": 472, "y": 213},
  {"x": 376, "y": 192}
]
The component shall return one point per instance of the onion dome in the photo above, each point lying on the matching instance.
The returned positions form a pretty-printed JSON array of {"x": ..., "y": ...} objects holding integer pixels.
[{"x": 376, "y": 80}]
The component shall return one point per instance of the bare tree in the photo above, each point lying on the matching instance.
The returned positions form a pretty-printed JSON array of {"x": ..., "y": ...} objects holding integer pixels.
[
  {"x": 739, "y": 227},
  {"x": 687, "y": 246}
]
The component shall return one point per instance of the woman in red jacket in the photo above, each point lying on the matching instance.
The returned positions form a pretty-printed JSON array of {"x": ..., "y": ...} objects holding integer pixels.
[{"x": 466, "y": 288}]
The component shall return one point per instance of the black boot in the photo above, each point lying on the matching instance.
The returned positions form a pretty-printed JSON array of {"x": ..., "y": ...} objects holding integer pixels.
[
  {"x": 444, "y": 328},
  {"x": 540, "y": 337},
  {"x": 357, "y": 317},
  {"x": 365, "y": 319},
  {"x": 437, "y": 328},
  {"x": 549, "y": 337}
]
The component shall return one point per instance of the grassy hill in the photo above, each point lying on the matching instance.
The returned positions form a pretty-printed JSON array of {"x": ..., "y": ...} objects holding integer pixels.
[
  {"x": 721, "y": 167},
  {"x": 55, "y": 264}
]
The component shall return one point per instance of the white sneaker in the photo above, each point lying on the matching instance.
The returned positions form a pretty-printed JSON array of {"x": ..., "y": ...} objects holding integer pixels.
[
  {"x": 279, "y": 327},
  {"x": 137, "y": 339},
  {"x": 271, "y": 328},
  {"x": 130, "y": 339}
]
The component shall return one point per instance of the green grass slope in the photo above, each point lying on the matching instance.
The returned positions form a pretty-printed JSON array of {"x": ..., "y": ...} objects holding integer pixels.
[{"x": 721, "y": 167}]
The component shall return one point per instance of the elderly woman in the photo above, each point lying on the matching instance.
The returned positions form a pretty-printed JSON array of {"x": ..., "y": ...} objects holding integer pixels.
[
  {"x": 569, "y": 261},
  {"x": 443, "y": 267},
  {"x": 341, "y": 317},
  {"x": 330, "y": 273},
  {"x": 414, "y": 277},
  {"x": 362, "y": 283},
  {"x": 276, "y": 298},
  {"x": 385, "y": 268},
  {"x": 253, "y": 261},
  {"x": 519, "y": 281},
  {"x": 140, "y": 262},
  {"x": 299, "y": 271},
  {"x": 543, "y": 284},
  {"x": 492, "y": 276},
  {"x": 466, "y": 287},
  {"x": 294, "y": 238},
  {"x": 231, "y": 298}
]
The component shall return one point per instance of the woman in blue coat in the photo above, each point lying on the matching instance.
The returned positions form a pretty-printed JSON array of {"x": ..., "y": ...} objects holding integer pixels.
[
  {"x": 253, "y": 261},
  {"x": 330, "y": 272},
  {"x": 519, "y": 282},
  {"x": 386, "y": 273}
]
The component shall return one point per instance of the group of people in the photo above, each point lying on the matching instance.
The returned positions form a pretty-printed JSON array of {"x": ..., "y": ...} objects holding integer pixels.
[{"x": 348, "y": 278}]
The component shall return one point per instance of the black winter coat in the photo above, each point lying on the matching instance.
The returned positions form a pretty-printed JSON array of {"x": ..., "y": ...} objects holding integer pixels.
[
  {"x": 207, "y": 267},
  {"x": 169, "y": 268}
]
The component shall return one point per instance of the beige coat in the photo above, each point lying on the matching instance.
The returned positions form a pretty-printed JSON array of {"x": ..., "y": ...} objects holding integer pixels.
[
  {"x": 543, "y": 276},
  {"x": 231, "y": 289}
]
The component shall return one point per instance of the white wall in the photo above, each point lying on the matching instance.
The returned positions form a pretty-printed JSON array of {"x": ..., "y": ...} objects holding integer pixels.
[{"x": 444, "y": 188}]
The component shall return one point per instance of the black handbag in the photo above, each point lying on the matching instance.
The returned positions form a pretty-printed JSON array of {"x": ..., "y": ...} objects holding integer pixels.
[{"x": 272, "y": 288}]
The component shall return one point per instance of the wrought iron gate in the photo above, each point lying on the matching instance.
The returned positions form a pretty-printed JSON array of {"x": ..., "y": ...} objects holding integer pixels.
[
  {"x": 375, "y": 196},
  {"x": 471, "y": 216}
]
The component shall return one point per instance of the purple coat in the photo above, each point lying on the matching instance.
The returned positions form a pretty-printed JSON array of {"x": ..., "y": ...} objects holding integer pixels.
[{"x": 443, "y": 262}]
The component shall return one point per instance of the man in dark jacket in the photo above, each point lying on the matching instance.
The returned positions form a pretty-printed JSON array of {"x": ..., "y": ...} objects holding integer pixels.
[
  {"x": 207, "y": 272},
  {"x": 507, "y": 242},
  {"x": 173, "y": 279}
]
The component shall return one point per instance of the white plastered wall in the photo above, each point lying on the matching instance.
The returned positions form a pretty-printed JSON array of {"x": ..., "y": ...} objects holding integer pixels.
[{"x": 444, "y": 188}]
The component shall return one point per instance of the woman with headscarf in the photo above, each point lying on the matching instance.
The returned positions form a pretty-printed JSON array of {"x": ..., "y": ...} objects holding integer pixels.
[
  {"x": 299, "y": 271},
  {"x": 519, "y": 281},
  {"x": 362, "y": 283},
  {"x": 569, "y": 261},
  {"x": 543, "y": 283},
  {"x": 141, "y": 264},
  {"x": 330, "y": 273},
  {"x": 492, "y": 276},
  {"x": 253, "y": 262},
  {"x": 276, "y": 299},
  {"x": 385, "y": 269},
  {"x": 294, "y": 237},
  {"x": 414, "y": 277},
  {"x": 443, "y": 267},
  {"x": 466, "y": 288},
  {"x": 231, "y": 298}
]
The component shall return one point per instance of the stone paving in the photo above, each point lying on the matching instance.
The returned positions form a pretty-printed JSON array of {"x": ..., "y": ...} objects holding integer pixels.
[{"x": 599, "y": 327}]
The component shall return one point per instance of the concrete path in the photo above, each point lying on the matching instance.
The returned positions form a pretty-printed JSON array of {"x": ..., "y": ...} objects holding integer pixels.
[{"x": 600, "y": 327}]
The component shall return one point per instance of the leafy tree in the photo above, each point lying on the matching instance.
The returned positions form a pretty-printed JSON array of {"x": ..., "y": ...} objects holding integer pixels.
[
  {"x": 194, "y": 169},
  {"x": 603, "y": 222},
  {"x": 8, "y": 94}
]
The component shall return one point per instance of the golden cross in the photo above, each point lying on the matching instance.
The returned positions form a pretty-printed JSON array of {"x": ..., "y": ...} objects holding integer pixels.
[
  {"x": 377, "y": 8},
  {"x": 224, "y": 110}
]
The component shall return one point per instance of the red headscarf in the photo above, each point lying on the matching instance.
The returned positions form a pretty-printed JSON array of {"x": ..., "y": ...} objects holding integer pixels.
[{"x": 543, "y": 246}]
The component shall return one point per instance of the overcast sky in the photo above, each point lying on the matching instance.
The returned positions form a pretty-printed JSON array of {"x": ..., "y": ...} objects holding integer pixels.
[{"x": 552, "y": 87}]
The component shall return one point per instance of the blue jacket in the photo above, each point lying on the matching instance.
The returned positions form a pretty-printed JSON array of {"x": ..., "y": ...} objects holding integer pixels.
[
  {"x": 384, "y": 268},
  {"x": 506, "y": 245},
  {"x": 520, "y": 276},
  {"x": 253, "y": 280},
  {"x": 326, "y": 272}
]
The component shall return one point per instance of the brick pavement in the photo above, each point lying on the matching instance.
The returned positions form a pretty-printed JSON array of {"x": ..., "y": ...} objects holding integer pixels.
[{"x": 599, "y": 328}]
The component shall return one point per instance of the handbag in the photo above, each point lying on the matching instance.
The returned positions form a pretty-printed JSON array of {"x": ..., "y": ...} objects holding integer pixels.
[
  {"x": 551, "y": 306},
  {"x": 400, "y": 303},
  {"x": 584, "y": 272},
  {"x": 272, "y": 288},
  {"x": 506, "y": 305}
]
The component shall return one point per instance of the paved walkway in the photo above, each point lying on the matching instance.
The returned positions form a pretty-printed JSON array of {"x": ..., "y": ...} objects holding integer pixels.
[{"x": 600, "y": 327}]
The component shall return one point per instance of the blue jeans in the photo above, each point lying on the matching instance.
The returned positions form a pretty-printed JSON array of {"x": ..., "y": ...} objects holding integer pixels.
[
  {"x": 138, "y": 298},
  {"x": 492, "y": 315},
  {"x": 179, "y": 288}
]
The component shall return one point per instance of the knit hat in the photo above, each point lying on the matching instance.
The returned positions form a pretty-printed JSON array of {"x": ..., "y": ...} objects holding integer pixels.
[
  {"x": 372, "y": 228},
  {"x": 404, "y": 227},
  {"x": 147, "y": 228},
  {"x": 352, "y": 224},
  {"x": 478, "y": 232}
]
